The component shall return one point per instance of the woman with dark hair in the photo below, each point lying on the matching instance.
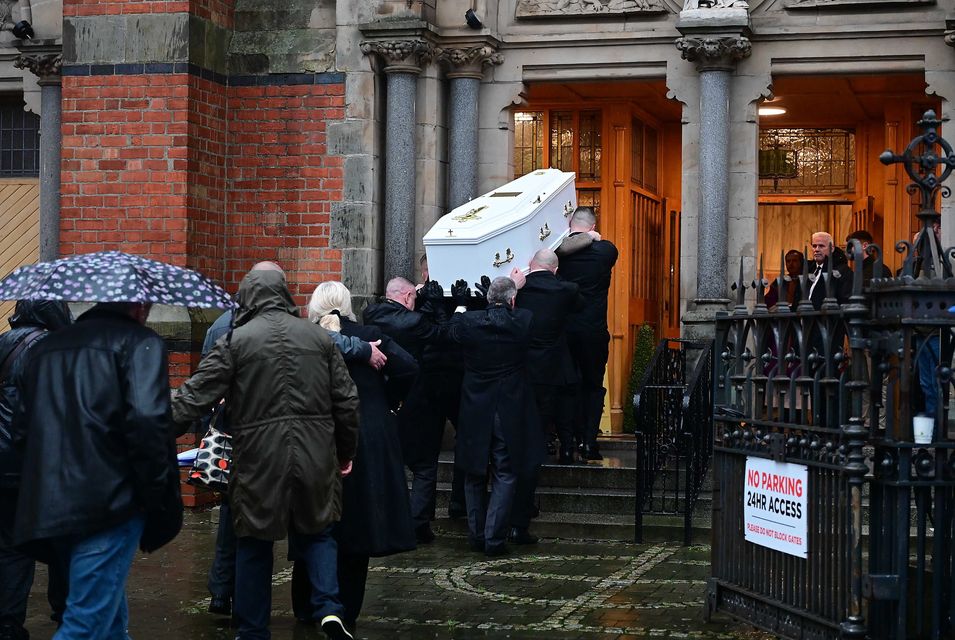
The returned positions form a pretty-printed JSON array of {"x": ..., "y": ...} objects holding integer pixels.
[
  {"x": 795, "y": 262},
  {"x": 376, "y": 515}
]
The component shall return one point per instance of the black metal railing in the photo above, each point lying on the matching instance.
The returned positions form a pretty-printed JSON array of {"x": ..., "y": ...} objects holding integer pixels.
[
  {"x": 673, "y": 416},
  {"x": 829, "y": 388}
]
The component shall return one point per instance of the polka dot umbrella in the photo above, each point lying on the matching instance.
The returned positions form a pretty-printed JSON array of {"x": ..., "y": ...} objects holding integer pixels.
[{"x": 113, "y": 276}]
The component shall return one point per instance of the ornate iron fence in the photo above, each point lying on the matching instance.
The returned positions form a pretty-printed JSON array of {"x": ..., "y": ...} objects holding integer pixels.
[
  {"x": 816, "y": 431},
  {"x": 673, "y": 415}
]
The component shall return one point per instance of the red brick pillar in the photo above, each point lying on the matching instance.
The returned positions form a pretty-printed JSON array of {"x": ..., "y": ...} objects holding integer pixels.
[{"x": 169, "y": 153}]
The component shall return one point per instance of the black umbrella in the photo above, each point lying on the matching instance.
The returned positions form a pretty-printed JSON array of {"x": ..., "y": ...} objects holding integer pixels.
[{"x": 113, "y": 276}]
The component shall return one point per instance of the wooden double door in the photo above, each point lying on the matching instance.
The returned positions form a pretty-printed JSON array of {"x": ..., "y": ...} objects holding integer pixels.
[{"x": 627, "y": 166}]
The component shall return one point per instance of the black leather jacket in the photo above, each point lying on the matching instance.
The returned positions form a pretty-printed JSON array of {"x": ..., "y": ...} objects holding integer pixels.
[
  {"x": 29, "y": 317},
  {"x": 95, "y": 428}
]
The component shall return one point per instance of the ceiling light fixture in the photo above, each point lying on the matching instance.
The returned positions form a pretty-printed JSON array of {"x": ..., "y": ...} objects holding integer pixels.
[{"x": 771, "y": 111}]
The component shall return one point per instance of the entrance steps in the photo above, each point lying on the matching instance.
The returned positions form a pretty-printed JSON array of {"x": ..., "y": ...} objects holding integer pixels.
[{"x": 592, "y": 501}]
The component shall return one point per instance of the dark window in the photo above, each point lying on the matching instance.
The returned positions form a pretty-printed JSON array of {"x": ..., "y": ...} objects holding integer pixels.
[{"x": 19, "y": 140}]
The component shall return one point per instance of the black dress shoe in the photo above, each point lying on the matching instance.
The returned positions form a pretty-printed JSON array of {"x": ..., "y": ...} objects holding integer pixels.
[
  {"x": 522, "y": 536},
  {"x": 591, "y": 453},
  {"x": 496, "y": 550},
  {"x": 566, "y": 457},
  {"x": 221, "y": 605},
  {"x": 476, "y": 545},
  {"x": 423, "y": 534}
]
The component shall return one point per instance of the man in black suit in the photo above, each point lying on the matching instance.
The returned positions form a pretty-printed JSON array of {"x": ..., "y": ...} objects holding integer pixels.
[
  {"x": 550, "y": 367},
  {"x": 587, "y": 334},
  {"x": 417, "y": 332},
  {"x": 868, "y": 263},
  {"x": 497, "y": 411},
  {"x": 823, "y": 284},
  {"x": 550, "y": 371}
]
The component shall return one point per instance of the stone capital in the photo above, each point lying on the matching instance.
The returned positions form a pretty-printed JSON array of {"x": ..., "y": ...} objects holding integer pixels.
[
  {"x": 950, "y": 30},
  {"x": 469, "y": 62},
  {"x": 46, "y": 66},
  {"x": 401, "y": 56},
  {"x": 714, "y": 52}
]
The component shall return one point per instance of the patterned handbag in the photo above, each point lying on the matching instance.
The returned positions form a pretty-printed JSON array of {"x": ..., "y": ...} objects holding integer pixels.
[{"x": 214, "y": 460}]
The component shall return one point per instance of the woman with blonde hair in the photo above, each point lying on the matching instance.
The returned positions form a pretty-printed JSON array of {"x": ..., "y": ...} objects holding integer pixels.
[{"x": 376, "y": 515}]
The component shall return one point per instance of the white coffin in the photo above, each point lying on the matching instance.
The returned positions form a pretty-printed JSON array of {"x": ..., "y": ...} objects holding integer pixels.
[{"x": 500, "y": 230}]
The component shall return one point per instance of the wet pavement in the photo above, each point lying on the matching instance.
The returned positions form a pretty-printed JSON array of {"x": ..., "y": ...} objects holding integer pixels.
[{"x": 556, "y": 589}]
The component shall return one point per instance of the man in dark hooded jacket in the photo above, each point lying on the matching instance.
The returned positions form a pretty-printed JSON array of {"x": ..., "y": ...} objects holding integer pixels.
[
  {"x": 293, "y": 411},
  {"x": 32, "y": 320}
]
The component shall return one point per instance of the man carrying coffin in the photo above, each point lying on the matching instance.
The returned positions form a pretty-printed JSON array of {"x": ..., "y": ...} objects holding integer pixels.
[
  {"x": 587, "y": 334},
  {"x": 550, "y": 371},
  {"x": 420, "y": 432},
  {"x": 498, "y": 416}
]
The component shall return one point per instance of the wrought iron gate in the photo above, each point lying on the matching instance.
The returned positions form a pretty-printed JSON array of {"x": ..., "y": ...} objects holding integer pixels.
[
  {"x": 674, "y": 427},
  {"x": 829, "y": 389}
]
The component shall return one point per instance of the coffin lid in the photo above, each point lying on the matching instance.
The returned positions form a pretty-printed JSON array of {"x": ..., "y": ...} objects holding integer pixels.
[{"x": 497, "y": 211}]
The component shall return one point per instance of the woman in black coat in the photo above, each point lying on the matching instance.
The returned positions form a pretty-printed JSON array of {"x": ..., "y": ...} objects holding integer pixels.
[{"x": 376, "y": 516}]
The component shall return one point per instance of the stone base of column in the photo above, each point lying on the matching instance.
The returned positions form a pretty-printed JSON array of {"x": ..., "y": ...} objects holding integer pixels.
[{"x": 699, "y": 323}]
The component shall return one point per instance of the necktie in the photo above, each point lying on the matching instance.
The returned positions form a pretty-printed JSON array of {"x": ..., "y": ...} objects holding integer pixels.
[{"x": 818, "y": 276}]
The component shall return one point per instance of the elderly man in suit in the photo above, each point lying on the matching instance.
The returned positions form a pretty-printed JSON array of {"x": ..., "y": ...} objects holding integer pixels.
[{"x": 498, "y": 416}]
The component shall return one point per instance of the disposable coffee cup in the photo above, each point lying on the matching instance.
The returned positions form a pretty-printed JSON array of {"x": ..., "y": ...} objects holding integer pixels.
[{"x": 922, "y": 429}]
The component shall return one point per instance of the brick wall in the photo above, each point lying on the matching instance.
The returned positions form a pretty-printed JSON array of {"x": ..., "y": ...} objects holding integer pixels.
[
  {"x": 188, "y": 165},
  {"x": 207, "y": 178},
  {"x": 282, "y": 182},
  {"x": 124, "y": 165}
]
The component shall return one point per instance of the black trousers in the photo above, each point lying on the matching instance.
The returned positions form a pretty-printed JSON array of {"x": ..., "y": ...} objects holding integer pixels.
[
  {"x": 555, "y": 406},
  {"x": 17, "y": 571},
  {"x": 590, "y": 351},
  {"x": 436, "y": 400}
]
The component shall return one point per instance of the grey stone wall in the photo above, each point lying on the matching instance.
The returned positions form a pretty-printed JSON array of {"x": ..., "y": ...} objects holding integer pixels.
[{"x": 283, "y": 36}]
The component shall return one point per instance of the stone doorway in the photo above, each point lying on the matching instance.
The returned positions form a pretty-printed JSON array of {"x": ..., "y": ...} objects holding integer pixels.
[
  {"x": 623, "y": 140},
  {"x": 819, "y": 145}
]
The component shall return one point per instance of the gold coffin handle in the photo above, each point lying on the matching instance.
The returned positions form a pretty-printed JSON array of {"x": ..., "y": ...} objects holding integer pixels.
[{"x": 508, "y": 256}]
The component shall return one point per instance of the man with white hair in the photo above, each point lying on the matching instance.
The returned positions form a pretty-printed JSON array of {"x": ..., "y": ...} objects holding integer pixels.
[
  {"x": 498, "y": 416},
  {"x": 823, "y": 284}
]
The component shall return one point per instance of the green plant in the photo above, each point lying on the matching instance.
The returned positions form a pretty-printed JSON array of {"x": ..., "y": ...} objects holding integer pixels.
[{"x": 643, "y": 348}]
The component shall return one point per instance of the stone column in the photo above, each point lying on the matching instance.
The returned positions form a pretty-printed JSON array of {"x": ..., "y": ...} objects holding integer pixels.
[
  {"x": 403, "y": 61},
  {"x": 715, "y": 40},
  {"x": 467, "y": 69},
  {"x": 45, "y": 64}
]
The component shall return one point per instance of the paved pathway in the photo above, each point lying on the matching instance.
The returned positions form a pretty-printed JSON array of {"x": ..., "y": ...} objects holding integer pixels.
[{"x": 553, "y": 590}]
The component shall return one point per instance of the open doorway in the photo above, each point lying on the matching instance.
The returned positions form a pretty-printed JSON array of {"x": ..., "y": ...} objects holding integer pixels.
[
  {"x": 623, "y": 142},
  {"x": 819, "y": 170}
]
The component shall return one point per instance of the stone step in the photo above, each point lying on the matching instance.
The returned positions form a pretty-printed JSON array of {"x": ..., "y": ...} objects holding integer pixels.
[
  {"x": 575, "y": 476},
  {"x": 590, "y": 476},
  {"x": 615, "y": 528},
  {"x": 596, "y": 503}
]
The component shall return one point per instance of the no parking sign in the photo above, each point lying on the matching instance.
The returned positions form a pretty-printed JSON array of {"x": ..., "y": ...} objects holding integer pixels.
[{"x": 774, "y": 506}]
